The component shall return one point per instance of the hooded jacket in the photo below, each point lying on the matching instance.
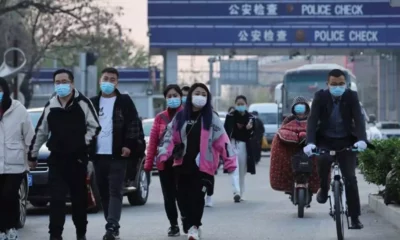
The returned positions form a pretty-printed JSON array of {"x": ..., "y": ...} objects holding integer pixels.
[
  {"x": 298, "y": 100},
  {"x": 17, "y": 129}
]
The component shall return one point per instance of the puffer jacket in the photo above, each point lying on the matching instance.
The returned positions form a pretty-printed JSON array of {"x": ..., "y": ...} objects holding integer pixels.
[
  {"x": 16, "y": 133},
  {"x": 156, "y": 133}
]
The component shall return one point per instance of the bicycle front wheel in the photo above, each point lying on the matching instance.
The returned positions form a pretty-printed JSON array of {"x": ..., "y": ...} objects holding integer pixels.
[{"x": 339, "y": 215}]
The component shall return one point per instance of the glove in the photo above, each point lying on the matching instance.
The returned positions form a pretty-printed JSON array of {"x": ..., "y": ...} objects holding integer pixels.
[
  {"x": 308, "y": 149},
  {"x": 360, "y": 145}
]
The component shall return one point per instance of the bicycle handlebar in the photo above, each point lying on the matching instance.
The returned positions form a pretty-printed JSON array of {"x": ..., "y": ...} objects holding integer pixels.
[{"x": 319, "y": 151}]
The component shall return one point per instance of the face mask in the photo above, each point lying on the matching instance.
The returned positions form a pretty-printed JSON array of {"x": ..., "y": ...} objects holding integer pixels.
[
  {"x": 63, "y": 90},
  {"x": 300, "y": 109},
  {"x": 184, "y": 99},
  {"x": 107, "y": 87},
  {"x": 241, "y": 108},
  {"x": 337, "y": 91},
  {"x": 1, "y": 96},
  {"x": 173, "y": 102},
  {"x": 199, "y": 101}
]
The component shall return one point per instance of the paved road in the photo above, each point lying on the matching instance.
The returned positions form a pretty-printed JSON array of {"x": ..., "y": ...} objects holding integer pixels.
[{"x": 265, "y": 214}]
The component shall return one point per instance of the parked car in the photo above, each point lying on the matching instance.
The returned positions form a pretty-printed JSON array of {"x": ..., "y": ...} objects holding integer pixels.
[
  {"x": 136, "y": 185},
  {"x": 389, "y": 129}
]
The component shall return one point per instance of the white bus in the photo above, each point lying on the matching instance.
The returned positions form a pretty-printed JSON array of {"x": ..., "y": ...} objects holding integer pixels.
[{"x": 305, "y": 81}]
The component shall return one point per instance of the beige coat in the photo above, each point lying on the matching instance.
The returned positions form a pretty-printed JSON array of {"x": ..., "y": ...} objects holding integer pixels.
[{"x": 16, "y": 133}]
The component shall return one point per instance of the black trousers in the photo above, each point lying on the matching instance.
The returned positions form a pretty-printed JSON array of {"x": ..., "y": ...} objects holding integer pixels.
[
  {"x": 67, "y": 174},
  {"x": 9, "y": 200},
  {"x": 168, "y": 179},
  {"x": 347, "y": 163},
  {"x": 110, "y": 176},
  {"x": 191, "y": 193}
]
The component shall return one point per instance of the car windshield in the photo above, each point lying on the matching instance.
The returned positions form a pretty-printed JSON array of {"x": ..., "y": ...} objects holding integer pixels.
[
  {"x": 305, "y": 84},
  {"x": 268, "y": 118},
  {"x": 147, "y": 128},
  {"x": 389, "y": 126},
  {"x": 35, "y": 117}
]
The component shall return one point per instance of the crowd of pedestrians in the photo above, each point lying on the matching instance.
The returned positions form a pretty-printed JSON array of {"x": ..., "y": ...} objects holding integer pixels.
[{"x": 187, "y": 142}]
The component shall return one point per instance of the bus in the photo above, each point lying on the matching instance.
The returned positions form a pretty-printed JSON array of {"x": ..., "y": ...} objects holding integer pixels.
[{"x": 305, "y": 81}]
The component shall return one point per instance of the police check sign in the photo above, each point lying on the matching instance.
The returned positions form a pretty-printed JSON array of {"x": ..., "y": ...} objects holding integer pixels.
[{"x": 346, "y": 36}]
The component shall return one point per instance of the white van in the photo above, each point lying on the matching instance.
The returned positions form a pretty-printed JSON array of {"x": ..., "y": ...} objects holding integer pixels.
[{"x": 268, "y": 114}]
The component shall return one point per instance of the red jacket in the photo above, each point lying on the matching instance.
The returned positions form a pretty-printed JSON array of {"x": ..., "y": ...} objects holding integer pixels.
[{"x": 156, "y": 132}]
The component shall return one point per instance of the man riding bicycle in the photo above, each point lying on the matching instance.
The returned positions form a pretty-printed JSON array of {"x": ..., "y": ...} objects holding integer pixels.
[{"x": 336, "y": 122}]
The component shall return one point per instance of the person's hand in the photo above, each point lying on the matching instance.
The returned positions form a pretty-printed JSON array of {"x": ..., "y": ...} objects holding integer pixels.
[
  {"x": 308, "y": 149},
  {"x": 249, "y": 125},
  {"x": 125, "y": 152},
  {"x": 360, "y": 145},
  {"x": 32, "y": 164}
]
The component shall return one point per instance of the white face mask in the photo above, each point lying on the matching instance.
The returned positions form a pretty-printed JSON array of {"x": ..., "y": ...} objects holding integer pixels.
[{"x": 199, "y": 101}]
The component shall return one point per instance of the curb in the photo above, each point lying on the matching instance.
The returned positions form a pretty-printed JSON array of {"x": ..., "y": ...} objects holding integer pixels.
[{"x": 390, "y": 213}]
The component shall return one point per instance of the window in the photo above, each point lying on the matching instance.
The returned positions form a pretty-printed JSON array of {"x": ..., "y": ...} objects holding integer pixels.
[
  {"x": 391, "y": 125},
  {"x": 147, "y": 128},
  {"x": 35, "y": 116},
  {"x": 268, "y": 118}
]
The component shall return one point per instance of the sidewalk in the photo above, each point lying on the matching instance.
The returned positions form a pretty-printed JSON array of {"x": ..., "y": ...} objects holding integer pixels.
[{"x": 390, "y": 213}]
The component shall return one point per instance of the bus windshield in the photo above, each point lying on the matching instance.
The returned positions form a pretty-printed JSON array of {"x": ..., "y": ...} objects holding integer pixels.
[{"x": 303, "y": 83}]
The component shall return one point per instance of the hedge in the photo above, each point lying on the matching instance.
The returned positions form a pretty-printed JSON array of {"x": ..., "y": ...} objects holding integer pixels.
[{"x": 381, "y": 166}]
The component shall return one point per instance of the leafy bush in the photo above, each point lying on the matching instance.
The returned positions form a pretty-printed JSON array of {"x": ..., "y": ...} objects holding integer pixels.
[{"x": 377, "y": 163}]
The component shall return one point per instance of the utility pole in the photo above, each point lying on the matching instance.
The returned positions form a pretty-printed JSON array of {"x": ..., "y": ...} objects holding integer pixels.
[{"x": 15, "y": 64}]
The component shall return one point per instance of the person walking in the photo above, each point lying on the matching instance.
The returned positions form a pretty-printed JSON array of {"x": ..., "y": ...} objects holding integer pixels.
[
  {"x": 185, "y": 91},
  {"x": 196, "y": 163},
  {"x": 16, "y": 133},
  {"x": 239, "y": 126},
  {"x": 259, "y": 131},
  {"x": 69, "y": 124},
  {"x": 119, "y": 137},
  {"x": 173, "y": 97}
]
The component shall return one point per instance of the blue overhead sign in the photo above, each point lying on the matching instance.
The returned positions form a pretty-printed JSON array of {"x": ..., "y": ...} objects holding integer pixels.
[
  {"x": 264, "y": 12},
  {"x": 263, "y": 24},
  {"x": 276, "y": 36}
]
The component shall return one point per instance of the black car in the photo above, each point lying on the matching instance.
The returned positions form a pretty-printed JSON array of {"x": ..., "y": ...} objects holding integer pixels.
[{"x": 136, "y": 184}]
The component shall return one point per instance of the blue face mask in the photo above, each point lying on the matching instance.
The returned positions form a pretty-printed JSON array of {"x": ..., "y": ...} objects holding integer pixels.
[
  {"x": 184, "y": 99},
  {"x": 107, "y": 87},
  {"x": 1, "y": 96},
  {"x": 63, "y": 90},
  {"x": 173, "y": 102},
  {"x": 337, "y": 91},
  {"x": 300, "y": 109},
  {"x": 241, "y": 108}
]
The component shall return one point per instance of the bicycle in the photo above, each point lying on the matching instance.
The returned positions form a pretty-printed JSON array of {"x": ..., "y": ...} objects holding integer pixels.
[{"x": 340, "y": 209}]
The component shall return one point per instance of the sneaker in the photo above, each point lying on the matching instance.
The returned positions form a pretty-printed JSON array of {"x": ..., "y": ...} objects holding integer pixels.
[
  {"x": 209, "y": 202},
  {"x": 237, "y": 198},
  {"x": 12, "y": 234},
  {"x": 174, "y": 231},
  {"x": 3, "y": 236},
  {"x": 193, "y": 233},
  {"x": 111, "y": 234}
]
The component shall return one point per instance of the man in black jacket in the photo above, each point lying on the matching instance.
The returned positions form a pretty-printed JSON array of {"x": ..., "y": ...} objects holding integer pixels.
[
  {"x": 68, "y": 123},
  {"x": 336, "y": 122},
  {"x": 259, "y": 131},
  {"x": 116, "y": 143}
]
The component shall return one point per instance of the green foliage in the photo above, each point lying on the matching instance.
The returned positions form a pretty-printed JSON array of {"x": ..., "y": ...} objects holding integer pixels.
[{"x": 376, "y": 164}]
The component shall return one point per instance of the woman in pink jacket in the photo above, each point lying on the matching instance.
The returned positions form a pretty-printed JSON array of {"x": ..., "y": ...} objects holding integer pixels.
[
  {"x": 194, "y": 140},
  {"x": 173, "y": 96}
]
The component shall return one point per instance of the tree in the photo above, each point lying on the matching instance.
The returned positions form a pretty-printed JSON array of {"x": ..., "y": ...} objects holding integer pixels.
[
  {"x": 43, "y": 6},
  {"x": 56, "y": 24}
]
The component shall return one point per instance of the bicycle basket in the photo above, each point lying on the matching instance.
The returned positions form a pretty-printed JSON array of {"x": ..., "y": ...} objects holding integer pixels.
[{"x": 301, "y": 163}]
